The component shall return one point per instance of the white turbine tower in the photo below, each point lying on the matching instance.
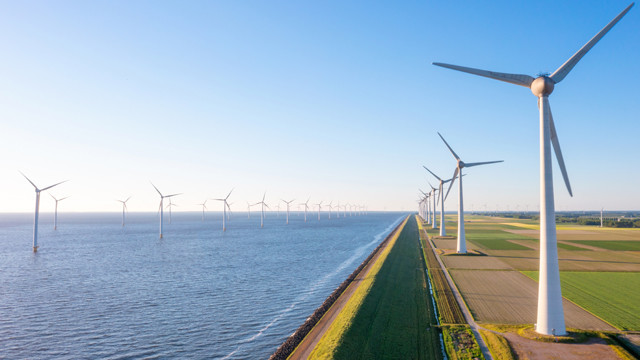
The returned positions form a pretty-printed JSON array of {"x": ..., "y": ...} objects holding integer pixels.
[
  {"x": 169, "y": 207},
  {"x": 288, "y": 204},
  {"x": 204, "y": 207},
  {"x": 262, "y": 209},
  {"x": 550, "y": 319},
  {"x": 306, "y": 207},
  {"x": 338, "y": 210},
  {"x": 161, "y": 207},
  {"x": 461, "y": 247},
  {"x": 124, "y": 208},
  {"x": 225, "y": 205},
  {"x": 248, "y": 210},
  {"x": 37, "y": 212},
  {"x": 319, "y": 206},
  {"x": 433, "y": 197},
  {"x": 55, "y": 214},
  {"x": 443, "y": 231},
  {"x": 330, "y": 208}
]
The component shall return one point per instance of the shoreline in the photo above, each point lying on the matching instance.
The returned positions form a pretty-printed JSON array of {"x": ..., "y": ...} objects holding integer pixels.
[{"x": 289, "y": 346}]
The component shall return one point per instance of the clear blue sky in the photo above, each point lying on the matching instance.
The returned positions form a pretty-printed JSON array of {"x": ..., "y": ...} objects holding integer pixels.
[{"x": 333, "y": 100}]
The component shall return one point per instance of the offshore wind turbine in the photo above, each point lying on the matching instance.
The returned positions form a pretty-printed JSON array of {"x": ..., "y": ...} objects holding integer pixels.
[
  {"x": 443, "y": 231},
  {"x": 55, "y": 214},
  {"x": 37, "y": 212},
  {"x": 338, "y": 210},
  {"x": 204, "y": 207},
  {"x": 248, "y": 210},
  {"x": 461, "y": 247},
  {"x": 262, "y": 209},
  {"x": 306, "y": 207},
  {"x": 162, "y": 197},
  {"x": 550, "y": 317},
  {"x": 319, "y": 206},
  {"x": 330, "y": 208},
  {"x": 288, "y": 204},
  {"x": 124, "y": 208},
  {"x": 225, "y": 205},
  {"x": 169, "y": 207}
]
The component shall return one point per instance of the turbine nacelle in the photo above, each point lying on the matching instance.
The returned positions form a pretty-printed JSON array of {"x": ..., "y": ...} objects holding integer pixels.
[{"x": 542, "y": 86}]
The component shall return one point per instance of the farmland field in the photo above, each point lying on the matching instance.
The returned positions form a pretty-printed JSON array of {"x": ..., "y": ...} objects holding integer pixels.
[
  {"x": 612, "y": 296},
  {"x": 612, "y": 244}
]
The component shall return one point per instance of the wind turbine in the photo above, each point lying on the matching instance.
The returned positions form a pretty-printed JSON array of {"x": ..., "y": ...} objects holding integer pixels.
[
  {"x": 319, "y": 206},
  {"x": 55, "y": 216},
  {"x": 461, "y": 242},
  {"x": 550, "y": 318},
  {"x": 262, "y": 209},
  {"x": 443, "y": 231},
  {"x": 225, "y": 205},
  {"x": 37, "y": 212},
  {"x": 288, "y": 204},
  {"x": 248, "y": 210},
  {"x": 338, "y": 210},
  {"x": 204, "y": 207},
  {"x": 330, "y": 208},
  {"x": 169, "y": 207},
  {"x": 162, "y": 197},
  {"x": 124, "y": 208},
  {"x": 306, "y": 207}
]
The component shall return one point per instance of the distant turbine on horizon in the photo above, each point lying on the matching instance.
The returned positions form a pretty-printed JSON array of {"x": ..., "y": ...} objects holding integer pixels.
[
  {"x": 443, "y": 231},
  {"x": 161, "y": 207},
  {"x": 461, "y": 247},
  {"x": 169, "y": 207},
  {"x": 37, "y": 212},
  {"x": 288, "y": 204},
  {"x": 306, "y": 207},
  {"x": 225, "y": 205},
  {"x": 55, "y": 214},
  {"x": 550, "y": 317},
  {"x": 262, "y": 211},
  {"x": 204, "y": 207},
  {"x": 319, "y": 206},
  {"x": 124, "y": 208}
]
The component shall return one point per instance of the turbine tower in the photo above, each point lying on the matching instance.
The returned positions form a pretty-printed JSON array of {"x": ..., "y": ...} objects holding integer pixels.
[
  {"x": 55, "y": 214},
  {"x": 262, "y": 209},
  {"x": 550, "y": 318},
  {"x": 37, "y": 212},
  {"x": 169, "y": 207},
  {"x": 288, "y": 204},
  {"x": 124, "y": 208},
  {"x": 330, "y": 208},
  {"x": 461, "y": 247},
  {"x": 306, "y": 207},
  {"x": 225, "y": 205},
  {"x": 204, "y": 207},
  {"x": 433, "y": 197},
  {"x": 248, "y": 210},
  {"x": 162, "y": 197},
  {"x": 319, "y": 206},
  {"x": 443, "y": 231}
]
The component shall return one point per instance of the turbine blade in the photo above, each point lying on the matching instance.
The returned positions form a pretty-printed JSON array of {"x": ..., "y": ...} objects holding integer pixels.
[
  {"x": 556, "y": 149},
  {"x": 564, "y": 70},
  {"x": 127, "y": 199},
  {"x": 229, "y": 193},
  {"x": 450, "y": 149},
  {"x": 168, "y": 196},
  {"x": 156, "y": 189},
  {"x": 517, "y": 79},
  {"x": 482, "y": 163},
  {"x": 439, "y": 189},
  {"x": 453, "y": 179},
  {"x": 49, "y": 187},
  {"x": 436, "y": 176},
  {"x": 25, "y": 176}
]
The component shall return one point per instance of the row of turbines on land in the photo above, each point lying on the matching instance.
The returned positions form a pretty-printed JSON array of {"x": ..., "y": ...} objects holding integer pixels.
[
  {"x": 350, "y": 209},
  {"x": 550, "y": 316}
]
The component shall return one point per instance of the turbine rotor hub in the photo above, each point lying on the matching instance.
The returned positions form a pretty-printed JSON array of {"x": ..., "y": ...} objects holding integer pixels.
[
  {"x": 542, "y": 86},
  {"x": 460, "y": 164}
]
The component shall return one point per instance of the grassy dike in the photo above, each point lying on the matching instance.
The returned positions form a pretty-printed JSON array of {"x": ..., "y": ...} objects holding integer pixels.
[{"x": 390, "y": 316}]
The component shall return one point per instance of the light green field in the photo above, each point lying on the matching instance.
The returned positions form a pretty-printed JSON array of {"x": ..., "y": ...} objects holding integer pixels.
[
  {"x": 612, "y": 296},
  {"x": 612, "y": 244}
]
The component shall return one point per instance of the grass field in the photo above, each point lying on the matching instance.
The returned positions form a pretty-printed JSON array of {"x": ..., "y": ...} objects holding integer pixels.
[
  {"x": 393, "y": 317},
  {"x": 612, "y": 296},
  {"x": 616, "y": 245}
]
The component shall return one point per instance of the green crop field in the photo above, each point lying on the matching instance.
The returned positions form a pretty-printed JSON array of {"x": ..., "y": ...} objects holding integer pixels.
[
  {"x": 612, "y": 296},
  {"x": 497, "y": 244},
  {"x": 612, "y": 244},
  {"x": 395, "y": 319}
]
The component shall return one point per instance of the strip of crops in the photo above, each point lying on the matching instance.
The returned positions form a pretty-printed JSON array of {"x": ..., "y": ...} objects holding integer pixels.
[{"x": 448, "y": 307}]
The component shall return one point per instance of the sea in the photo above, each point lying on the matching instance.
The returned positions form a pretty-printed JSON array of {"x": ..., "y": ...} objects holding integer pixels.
[{"x": 97, "y": 290}]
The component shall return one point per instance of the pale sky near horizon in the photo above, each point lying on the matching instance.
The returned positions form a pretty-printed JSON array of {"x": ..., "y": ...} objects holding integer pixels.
[{"x": 332, "y": 100}]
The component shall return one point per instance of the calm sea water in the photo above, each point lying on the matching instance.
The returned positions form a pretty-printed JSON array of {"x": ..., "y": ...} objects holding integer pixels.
[{"x": 97, "y": 290}]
